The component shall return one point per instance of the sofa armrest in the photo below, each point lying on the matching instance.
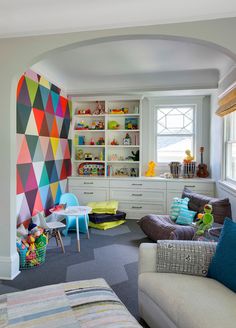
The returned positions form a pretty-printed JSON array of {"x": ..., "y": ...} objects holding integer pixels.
[{"x": 147, "y": 258}]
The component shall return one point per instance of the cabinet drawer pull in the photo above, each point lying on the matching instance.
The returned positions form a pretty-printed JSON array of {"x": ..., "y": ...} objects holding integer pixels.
[
  {"x": 88, "y": 193},
  {"x": 88, "y": 183},
  {"x": 136, "y": 184},
  {"x": 137, "y": 194},
  {"x": 137, "y": 207},
  {"x": 190, "y": 186}
]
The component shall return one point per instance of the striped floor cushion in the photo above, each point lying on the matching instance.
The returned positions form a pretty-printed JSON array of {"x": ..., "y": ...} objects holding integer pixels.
[{"x": 87, "y": 303}]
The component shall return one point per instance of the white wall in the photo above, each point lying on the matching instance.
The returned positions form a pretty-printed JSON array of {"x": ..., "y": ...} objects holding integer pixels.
[{"x": 18, "y": 54}]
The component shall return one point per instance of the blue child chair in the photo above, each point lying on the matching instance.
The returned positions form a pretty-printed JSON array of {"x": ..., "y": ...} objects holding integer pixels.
[{"x": 71, "y": 200}]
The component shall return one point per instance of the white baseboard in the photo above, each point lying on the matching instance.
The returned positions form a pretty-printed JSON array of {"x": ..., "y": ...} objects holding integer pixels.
[{"x": 9, "y": 267}]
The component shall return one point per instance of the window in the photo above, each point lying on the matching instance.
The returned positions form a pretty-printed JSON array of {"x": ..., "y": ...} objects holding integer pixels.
[
  {"x": 175, "y": 132},
  {"x": 230, "y": 147}
]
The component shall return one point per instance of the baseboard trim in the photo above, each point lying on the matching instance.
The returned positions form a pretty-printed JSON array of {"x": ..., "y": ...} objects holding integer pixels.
[{"x": 9, "y": 267}]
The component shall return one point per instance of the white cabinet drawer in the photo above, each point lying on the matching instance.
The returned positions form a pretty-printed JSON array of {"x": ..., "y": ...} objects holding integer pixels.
[
  {"x": 194, "y": 186},
  {"x": 136, "y": 184},
  {"x": 141, "y": 207},
  {"x": 96, "y": 183},
  {"x": 138, "y": 195},
  {"x": 90, "y": 195}
]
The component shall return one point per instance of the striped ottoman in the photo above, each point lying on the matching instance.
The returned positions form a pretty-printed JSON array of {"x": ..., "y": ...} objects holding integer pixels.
[{"x": 87, "y": 303}]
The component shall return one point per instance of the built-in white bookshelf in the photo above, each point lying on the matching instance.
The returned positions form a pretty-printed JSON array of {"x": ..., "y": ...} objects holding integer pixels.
[{"x": 106, "y": 137}]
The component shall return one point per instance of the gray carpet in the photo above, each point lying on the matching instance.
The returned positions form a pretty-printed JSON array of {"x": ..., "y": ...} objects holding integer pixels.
[{"x": 111, "y": 254}]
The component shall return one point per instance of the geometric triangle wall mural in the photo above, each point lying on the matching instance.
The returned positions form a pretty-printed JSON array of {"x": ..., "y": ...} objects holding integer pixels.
[{"x": 44, "y": 150}]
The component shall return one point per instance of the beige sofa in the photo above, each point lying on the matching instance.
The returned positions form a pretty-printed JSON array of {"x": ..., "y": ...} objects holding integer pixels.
[{"x": 170, "y": 300}]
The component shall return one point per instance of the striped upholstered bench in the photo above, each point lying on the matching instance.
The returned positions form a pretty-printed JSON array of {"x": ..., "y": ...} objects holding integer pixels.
[{"x": 87, "y": 303}]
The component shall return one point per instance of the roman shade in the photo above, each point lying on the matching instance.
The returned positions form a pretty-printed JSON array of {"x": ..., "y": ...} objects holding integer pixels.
[{"x": 227, "y": 104}]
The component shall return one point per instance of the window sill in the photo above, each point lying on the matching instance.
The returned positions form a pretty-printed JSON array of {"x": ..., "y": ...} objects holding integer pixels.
[{"x": 228, "y": 187}]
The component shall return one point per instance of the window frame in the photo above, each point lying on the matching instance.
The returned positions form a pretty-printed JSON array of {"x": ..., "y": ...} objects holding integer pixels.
[
  {"x": 193, "y": 135},
  {"x": 227, "y": 141},
  {"x": 202, "y": 131}
]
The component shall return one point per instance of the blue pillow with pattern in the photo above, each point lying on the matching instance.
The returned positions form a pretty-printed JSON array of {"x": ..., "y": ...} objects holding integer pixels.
[
  {"x": 223, "y": 264},
  {"x": 185, "y": 216},
  {"x": 176, "y": 205}
]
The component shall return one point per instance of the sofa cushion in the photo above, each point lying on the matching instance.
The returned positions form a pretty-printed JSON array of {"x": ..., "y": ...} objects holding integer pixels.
[
  {"x": 190, "y": 301},
  {"x": 221, "y": 207},
  {"x": 223, "y": 265},
  {"x": 181, "y": 256},
  {"x": 157, "y": 226}
]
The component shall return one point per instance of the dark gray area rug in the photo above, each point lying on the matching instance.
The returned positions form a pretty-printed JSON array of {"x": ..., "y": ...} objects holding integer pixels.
[{"x": 110, "y": 254}]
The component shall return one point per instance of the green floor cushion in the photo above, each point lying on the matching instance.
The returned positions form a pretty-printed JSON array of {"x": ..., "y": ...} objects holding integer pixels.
[
  {"x": 106, "y": 225},
  {"x": 109, "y": 207}
]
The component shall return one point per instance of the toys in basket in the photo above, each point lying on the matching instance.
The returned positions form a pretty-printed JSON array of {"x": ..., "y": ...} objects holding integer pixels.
[
  {"x": 31, "y": 245},
  {"x": 91, "y": 169}
]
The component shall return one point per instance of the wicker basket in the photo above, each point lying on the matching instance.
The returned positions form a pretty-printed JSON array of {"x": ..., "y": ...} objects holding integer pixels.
[{"x": 32, "y": 259}]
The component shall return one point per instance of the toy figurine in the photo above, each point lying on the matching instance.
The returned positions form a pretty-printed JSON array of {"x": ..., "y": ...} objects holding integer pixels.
[
  {"x": 189, "y": 158},
  {"x": 206, "y": 220},
  {"x": 151, "y": 169},
  {"x": 114, "y": 142},
  {"x": 92, "y": 142}
]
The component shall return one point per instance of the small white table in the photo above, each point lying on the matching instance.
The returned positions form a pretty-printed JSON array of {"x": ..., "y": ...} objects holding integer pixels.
[{"x": 76, "y": 211}]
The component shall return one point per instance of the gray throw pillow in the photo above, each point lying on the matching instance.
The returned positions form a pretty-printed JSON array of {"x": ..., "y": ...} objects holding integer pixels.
[{"x": 184, "y": 256}]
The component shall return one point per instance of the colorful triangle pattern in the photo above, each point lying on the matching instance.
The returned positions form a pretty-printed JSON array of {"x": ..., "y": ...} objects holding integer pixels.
[{"x": 43, "y": 147}]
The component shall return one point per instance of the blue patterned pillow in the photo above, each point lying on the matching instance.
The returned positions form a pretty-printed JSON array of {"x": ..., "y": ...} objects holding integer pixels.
[
  {"x": 223, "y": 264},
  {"x": 176, "y": 205},
  {"x": 185, "y": 216}
]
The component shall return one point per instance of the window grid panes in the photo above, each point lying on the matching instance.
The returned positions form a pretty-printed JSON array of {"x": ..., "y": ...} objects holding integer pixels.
[{"x": 175, "y": 132}]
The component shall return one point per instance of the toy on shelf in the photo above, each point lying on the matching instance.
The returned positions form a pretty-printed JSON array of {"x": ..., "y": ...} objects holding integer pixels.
[
  {"x": 127, "y": 140},
  {"x": 101, "y": 156},
  {"x": 92, "y": 142},
  {"x": 202, "y": 171},
  {"x": 81, "y": 140},
  {"x": 122, "y": 172},
  {"x": 134, "y": 156},
  {"x": 79, "y": 155},
  {"x": 100, "y": 141},
  {"x": 131, "y": 123},
  {"x": 133, "y": 172},
  {"x": 100, "y": 109},
  {"x": 151, "y": 169},
  {"x": 113, "y": 157},
  {"x": 113, "y": 125},
  {"x": 88, "y": 157},
  {"x": 84, "y": 111},
  {"x": 114, "y": 142},
  {"x": 206, "y": 220},
  {"x": 119, "y": 111},
  {"x": 100, "y": 125},
  {"x": 188, "y": 158},
  {"x": 91, "y": 169},
  {"x": 81, "y": 126}
]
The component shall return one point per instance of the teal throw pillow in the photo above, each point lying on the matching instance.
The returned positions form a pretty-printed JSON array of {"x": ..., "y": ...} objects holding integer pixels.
[
  {"x": 223, "y": 264},
  {"x": 185, "y": 216},
  {"x": 176, "y": 205}
]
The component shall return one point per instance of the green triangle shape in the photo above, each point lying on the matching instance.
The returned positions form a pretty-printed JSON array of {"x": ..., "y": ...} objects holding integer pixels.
[
  {"x": 22, "y": 114},
  {"x": 32, "y": 89},
  {"x": 44, "y": 177},
  {"x": 32, "y": 143}
]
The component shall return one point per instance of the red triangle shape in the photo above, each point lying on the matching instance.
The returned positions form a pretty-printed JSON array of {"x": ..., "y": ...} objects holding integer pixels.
[
  {"x": 39, "y": 116},
  {"x": 64, "y": 102},
  {"x": 44, "y": 128},
  {"x": 49, "y": 106},
  {"x": 19, "y": 185},
  {"x": 63, "y": 174},
  {"x": 38, "y": 206},
  {"x": 24, "y": 153},
  {"x": 19, "y": 86},
  {"x": 31, "y": 181},
  {"x": 54, "y": 131},
  {"x": 67, "y": 152}
]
